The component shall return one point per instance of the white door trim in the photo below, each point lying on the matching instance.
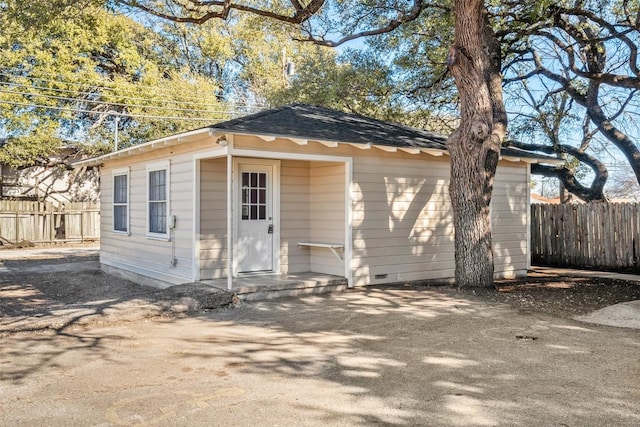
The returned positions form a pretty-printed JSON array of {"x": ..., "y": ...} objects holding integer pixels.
[{"x": 237, "y": 161}]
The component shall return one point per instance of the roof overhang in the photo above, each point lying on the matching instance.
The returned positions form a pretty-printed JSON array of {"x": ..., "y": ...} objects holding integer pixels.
[
  {"x": 156, "y": 144},
  {"x": 334, "y": 144},
  {"x": 213, "y": 132}
]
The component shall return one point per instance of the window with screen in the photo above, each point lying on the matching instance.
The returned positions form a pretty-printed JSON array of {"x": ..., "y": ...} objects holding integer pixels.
[
  {"x": 121, "y": 202},
  {"x": 158, "y": 201}
]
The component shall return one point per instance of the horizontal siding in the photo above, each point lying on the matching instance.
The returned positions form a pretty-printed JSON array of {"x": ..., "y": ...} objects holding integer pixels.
[
  {"x": 137, "y": 251},
  {"x": 294, "y": 215},
  {"x": 213, "y": 218},
  {"x": 326, "y": 215},
  {"x": 402, "y": 224},
  {"x": 402, "y": 228},
  {"x": 509, "y": 219}
]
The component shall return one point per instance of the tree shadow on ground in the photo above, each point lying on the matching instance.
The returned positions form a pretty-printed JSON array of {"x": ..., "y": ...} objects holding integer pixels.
[
  {"x": 428, "y": 357},
  {"x": 390, "y": 355}
]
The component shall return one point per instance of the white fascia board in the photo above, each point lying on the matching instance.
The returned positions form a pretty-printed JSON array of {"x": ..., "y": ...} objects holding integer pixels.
[{"x": 147, "y": 146}]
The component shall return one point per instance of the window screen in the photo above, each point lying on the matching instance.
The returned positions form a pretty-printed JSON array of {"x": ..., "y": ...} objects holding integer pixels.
[
  {"x": 120, "y": 203},
  {"x": 158, "y": 201}
]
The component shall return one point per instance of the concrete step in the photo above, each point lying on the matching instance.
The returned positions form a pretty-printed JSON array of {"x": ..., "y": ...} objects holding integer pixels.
[{"x": 290, "y": 288}]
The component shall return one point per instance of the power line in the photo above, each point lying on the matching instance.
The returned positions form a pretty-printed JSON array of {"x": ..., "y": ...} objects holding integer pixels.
[
  {"x": 78, "y": 92},
  {"x": 119, "y": 104},
  {"x": 107, "y": 88},
  {"x": 114, "y": 113}
]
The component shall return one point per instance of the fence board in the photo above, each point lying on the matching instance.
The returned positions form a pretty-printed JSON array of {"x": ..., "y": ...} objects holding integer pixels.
[
  {"x": 39, "y": 222},
  {"x": 598, "y": 235}
]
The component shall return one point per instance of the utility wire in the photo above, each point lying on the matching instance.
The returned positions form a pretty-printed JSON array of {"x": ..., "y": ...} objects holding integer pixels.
[
  {"x": 107, "y": 88},
  {"x": 119, "y": 104},
  {"x": 115, "y": 113},
  {"x": 78, "y": 92}
]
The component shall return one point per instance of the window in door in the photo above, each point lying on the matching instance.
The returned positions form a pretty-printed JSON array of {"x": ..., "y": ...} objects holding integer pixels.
[{"x": 254, "y": 196}]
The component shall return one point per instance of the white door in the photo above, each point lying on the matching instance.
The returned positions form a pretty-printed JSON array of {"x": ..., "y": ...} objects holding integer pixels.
[{"x": 255, "y": 218}]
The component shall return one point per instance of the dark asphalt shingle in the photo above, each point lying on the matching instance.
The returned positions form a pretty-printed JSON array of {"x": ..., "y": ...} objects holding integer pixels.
[{"x": 318, "y": 123}]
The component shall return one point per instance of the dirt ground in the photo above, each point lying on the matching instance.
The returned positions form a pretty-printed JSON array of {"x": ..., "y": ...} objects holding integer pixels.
[
  {"x": 565, "y": 296},
  {"x": 54, "y": 289},
  {"x": 32, "y": 287},
  {"x": 83, "y": 348}
]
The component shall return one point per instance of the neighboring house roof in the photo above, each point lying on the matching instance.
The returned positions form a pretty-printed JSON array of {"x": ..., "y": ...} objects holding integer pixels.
[{"x": 309, "y": 122}]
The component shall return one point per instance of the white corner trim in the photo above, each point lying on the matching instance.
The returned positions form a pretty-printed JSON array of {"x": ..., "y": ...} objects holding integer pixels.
[
  {"x": 196, "y": 263},
  {"x": 348, "y": 226}
]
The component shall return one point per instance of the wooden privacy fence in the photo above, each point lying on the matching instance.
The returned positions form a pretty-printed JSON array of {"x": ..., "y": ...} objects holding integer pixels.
[
  {"x": 38, "y": 222},
  {"x": 602, "y": 235}
]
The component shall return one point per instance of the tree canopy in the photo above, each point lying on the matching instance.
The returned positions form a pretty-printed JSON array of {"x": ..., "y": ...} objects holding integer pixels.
[{"x": 74, "y": 76}]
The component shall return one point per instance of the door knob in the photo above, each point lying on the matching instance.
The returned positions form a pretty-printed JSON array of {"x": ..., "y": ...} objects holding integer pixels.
[{"x": 270, "y": 229}]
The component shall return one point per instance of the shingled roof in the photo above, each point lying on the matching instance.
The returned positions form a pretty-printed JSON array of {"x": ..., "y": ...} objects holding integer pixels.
[
  {"x": 308, "y": 122},
  {"x": 318, "y": 123},
  {"x": 312, "y": 122}
]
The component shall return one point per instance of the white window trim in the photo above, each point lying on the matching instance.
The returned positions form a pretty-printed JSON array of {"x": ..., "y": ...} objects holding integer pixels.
[
  {"x": 152, "y": 167},
  {"x": 127, "y": 173}
]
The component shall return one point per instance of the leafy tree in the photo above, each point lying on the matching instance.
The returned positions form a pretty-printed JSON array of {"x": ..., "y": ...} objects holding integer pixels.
[{"x": 70, "y": 78}]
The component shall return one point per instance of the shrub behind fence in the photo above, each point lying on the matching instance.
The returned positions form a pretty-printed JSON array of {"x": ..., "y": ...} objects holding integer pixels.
[
  {"x": 601, "y": 235},
  {"x": 39, "y": 222}
]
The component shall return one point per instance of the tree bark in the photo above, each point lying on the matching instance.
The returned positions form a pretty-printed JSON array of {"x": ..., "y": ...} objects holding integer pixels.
[{"x": 474, "y": 62}]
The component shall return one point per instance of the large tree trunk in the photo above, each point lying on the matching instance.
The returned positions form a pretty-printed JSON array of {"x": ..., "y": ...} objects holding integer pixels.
[{"x": 474, "y": 62}]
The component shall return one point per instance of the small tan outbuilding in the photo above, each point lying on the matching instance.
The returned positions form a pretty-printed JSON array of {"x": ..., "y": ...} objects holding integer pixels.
[{"x": 297, "y": 189}]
